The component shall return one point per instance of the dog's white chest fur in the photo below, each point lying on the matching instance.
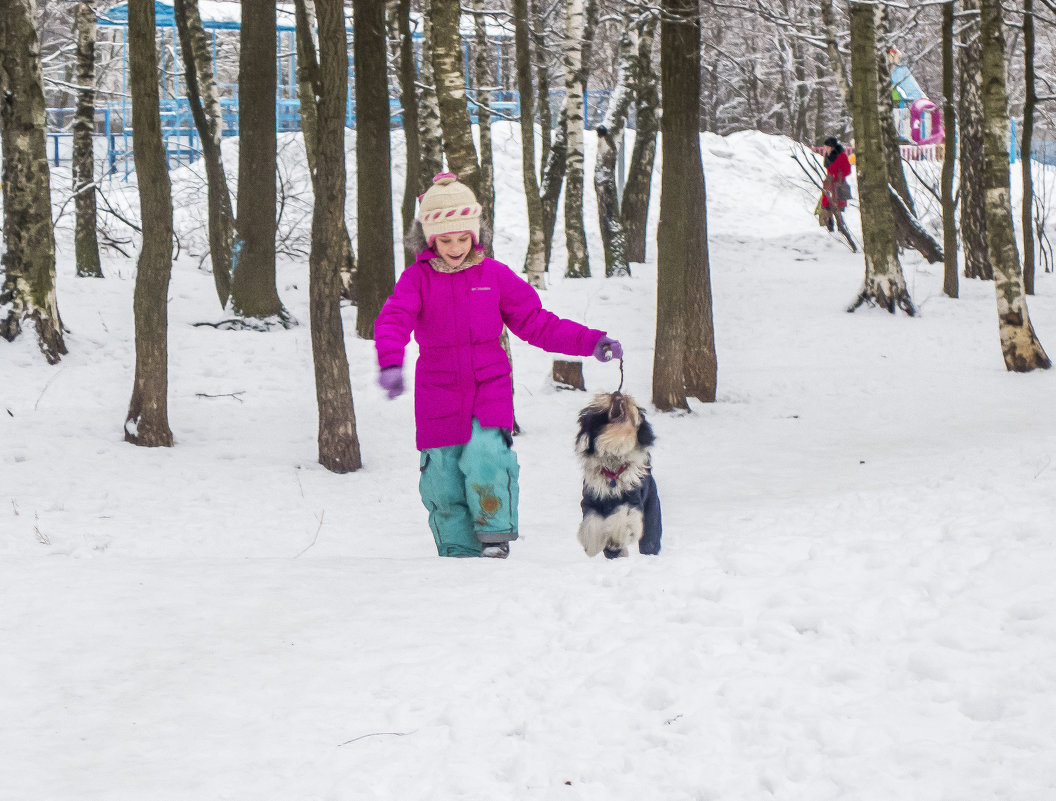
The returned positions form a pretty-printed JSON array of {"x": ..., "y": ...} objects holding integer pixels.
[{"x": 616, "y": 532}]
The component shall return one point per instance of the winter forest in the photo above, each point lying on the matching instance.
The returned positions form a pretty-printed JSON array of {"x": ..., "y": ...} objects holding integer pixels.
[{"x": 217, "y": 580}]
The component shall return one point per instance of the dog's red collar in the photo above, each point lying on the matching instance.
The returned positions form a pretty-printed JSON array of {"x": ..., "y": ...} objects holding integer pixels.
[{"x": 612, "y": 475}]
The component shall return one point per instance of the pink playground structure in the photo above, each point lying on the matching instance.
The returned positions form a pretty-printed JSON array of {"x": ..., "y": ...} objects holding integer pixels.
[{"x": 922, "y": 125}]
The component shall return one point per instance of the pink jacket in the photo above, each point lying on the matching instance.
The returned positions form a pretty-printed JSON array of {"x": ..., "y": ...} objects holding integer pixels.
[{"x": 457, "y": 318}]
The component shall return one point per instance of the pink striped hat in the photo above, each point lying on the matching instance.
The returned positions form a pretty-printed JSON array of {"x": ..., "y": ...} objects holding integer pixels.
[{"x": 448, "y": 207}]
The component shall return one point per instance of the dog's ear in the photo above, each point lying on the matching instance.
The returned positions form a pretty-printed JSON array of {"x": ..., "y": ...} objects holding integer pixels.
[
  {"x": 646, "y": 437},
  {"x": 591, "y": 422}
]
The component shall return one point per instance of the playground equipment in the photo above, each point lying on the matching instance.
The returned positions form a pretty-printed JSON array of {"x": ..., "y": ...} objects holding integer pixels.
[{"x": 917, "y": 118}]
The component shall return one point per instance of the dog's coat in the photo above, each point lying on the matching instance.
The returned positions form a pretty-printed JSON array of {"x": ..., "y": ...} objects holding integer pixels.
[{"x": 620, "y": 503}]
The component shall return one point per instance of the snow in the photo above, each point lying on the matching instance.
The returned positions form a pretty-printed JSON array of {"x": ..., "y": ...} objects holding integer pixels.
[{"x": 854, "y": 601}]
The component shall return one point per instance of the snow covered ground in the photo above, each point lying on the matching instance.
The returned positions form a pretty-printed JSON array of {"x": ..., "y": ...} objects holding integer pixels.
[{"x": 855, "y": 598}]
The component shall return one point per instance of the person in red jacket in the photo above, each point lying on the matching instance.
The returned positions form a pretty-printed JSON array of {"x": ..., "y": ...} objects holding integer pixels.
[{"x": 837, "y": 168}]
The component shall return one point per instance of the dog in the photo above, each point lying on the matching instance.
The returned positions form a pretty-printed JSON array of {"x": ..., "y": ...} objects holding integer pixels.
[{"x": 620, "y": 503}]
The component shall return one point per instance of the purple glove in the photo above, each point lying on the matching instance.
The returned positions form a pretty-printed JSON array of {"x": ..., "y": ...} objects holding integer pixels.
[
  {"x": 391, "y": 380},
  {"x": 608, "y": 349}
]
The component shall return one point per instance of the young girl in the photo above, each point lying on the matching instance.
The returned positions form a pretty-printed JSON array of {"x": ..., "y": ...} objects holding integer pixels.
[{"x": 456, "y": 301}]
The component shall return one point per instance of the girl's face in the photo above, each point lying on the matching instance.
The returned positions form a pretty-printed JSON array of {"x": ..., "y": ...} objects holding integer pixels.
[{"x": 453, "y": 248}]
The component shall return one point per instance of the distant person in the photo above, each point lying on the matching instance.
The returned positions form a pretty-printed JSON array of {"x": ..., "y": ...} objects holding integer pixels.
[
  {"x": 835, "y": 187},
  {"x": 456, "y": 300}
]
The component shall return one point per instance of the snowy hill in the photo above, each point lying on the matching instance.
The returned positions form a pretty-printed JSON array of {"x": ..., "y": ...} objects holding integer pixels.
[{"x": 854, "y": 601}]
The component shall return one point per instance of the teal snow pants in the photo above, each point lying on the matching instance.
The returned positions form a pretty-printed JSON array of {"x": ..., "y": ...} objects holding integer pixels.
[{"x": 471, "y": 492}]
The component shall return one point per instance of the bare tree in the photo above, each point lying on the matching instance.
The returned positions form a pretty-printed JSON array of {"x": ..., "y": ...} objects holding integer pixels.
[
  {"x": 634, "y": 207},
  {"x": 86, "y": 242},
  {"x": 204, "y": 99},
  {"x": 575, "y": 235},
  {"x": 970, "y": 144},
  {"x": 535, "y": 258},
  {"x": 949, "y": 199},
  {"x": 1030, "y": 102},
  {"x": 484, "y": 80},
  {"x": 147, "y": 421},
  {"x": 338, "y": 439},
  {"x": 459, "y": 148},
  {"x": 431, "y": 135},
  {"x": 28, "y": 289},
  {"x": 413, "y": 184},
  {"x": 1019, "y": 344}
]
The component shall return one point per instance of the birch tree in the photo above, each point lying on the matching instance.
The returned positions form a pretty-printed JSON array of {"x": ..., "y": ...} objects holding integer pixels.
[
  {"x": 885, "y": 285},
  {"x": 684, "y": 363},
  {"x": 376, "y": 275},
  {"x": 337, "y": 436},
  {"x": 86, "y": 242},
  {"x": 575, "y": 235},
  {"x": 482, "y": 71},
  {"x": 949, "y": 199},
  {"x": 459, "y": 148},
  {"x": 413, "y": 185},
  {"x": 27, "y": 295},
  {"x": 535, "y": 258},
  {"x": 1030, "y": 102},
  {"x": 147, "y": 421},
  {"x": 431, "y": 134},
  {"x": 634, "y": 207},
  {"x": 1019, "y": 345},
  {"x": 970, "y": 143},
  {"x": 203, "y": 97}
]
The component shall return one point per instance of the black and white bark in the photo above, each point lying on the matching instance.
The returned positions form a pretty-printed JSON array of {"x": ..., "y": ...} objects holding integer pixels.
[
  {"x": 578, "y": 265},
  {"x": 412, "y": 186},
  {"x": 484, "y": 81},
  {"x": 1030, "y": 102},
  {"x": 634, "y": 207},
  {"x": 970, "y": 144},
  {"x": 86, "y": 242},
  {"x": 27, "y": 295},
  {"x": 431, "y": 135},
  {"x": 459, "y": 147},
  {"x": 949, "y": 199},
  {"x": 535, "y": 258}
]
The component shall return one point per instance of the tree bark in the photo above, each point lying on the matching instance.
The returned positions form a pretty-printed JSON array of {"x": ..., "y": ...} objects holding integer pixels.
[
  {"x": 949, "y": 200},
  {"x": 575, "y": 235},
  {"x": 1020, "y": 346},
  {"x": 542, "y": 78},
  {"x": 86, "y": 243},
  {"x": 337, "y": 437},
  {"x": 413, "y": 185},
  {"x": 486, "y": 195},
  {"x": 535, "y": 258},
  {"x": 685, "y": 362},
  {"x": 970, "y": 143},
  {"x": 147, "y": 421},
  {"x": 253, "y": 290},
  {"x": 431, "y": 134},
  {"x": 459, "y": 148},
  {"x": 204, "y": 99},
  {"x": 377, "y": 269},
  {"x": 1030, "y": 102},
  {"x": 552, "y": 181},
  {"x": 634, "y": 207},
  {"x": 28, "y": 289},
  {"x": 884, "y": 286}
]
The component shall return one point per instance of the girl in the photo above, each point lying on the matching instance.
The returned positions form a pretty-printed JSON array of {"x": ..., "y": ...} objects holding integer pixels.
[
  {"x": 456, "y": 301},
  {"x": 837, "y": 168}
]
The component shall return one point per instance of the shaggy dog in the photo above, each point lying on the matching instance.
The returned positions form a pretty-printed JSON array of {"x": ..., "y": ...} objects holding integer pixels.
[{"x": 620, "y": 503}]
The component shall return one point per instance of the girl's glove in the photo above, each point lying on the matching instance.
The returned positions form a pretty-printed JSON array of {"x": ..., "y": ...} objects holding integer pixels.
[
  {"x": 608, "y": 349},
  {"x": 391, "y": 380}
]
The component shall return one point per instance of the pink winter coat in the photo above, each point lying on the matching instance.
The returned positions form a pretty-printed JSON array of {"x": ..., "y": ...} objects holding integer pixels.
[{"x": 457, "y": 318}]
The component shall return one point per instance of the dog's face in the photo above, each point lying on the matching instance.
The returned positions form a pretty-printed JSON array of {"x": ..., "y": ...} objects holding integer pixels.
[{"x": 613, "y": 426}]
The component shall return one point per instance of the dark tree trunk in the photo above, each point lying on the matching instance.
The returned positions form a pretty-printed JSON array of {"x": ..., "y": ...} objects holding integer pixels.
[
  {"x": 1030, "y": 102},
  {"x": 86, "y": 243},
  {"x": 253, "y": 290},
  {"x": 486, "y": 195},
  {"x": 413, "y": 185},
  {"x": 204, "y": 100},
  {"x": 685, "y": 362},
  {"x": 28, "y": 288},
  {"x": 377, "y": 270},
  {"x": 1019, "y": 344},
  {"x": 147, "y": 422},
  {"x": 634, "y": 207},
  {"x": 578, "y": 265},
  {"x": 949, "y": 200},
  {"x": 431, "y": 134},
  {"x": 970, "y": 143},
  {"x": 542, "y": 78},
  {"x": 534, "y": 260},
  {"x": 459, "y": 148},
  {"x": 338, "y": 439},
  {"x": 552, "y": 181}
]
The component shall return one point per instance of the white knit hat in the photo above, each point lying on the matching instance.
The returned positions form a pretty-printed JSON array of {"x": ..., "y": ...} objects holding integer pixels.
[{"x": 448, "y": 207}]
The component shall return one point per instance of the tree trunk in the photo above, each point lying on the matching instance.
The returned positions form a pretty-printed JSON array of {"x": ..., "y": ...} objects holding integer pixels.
[
  {"x": 884, "y": 284},
  {"x": 431, "y": 134},
  {"x": 204, "y": 99},
  {"x": 147, "y": 421},
  {"x": 553, "y": 180},
  {"x": 253, "y": 290},
  {"x": 896, "y": 174},
  {"x": 1029, "y": 103},
  {"x": 534, "y": 260},
  {"x": 338, "y": 439},
  {"x": 86, "y": 243},
  {"x": 949, "y": 199},
  {"x": 486, "y": 195},
  {"x": 28, "y": 288},
  {"x": 459, "y": 148},
  {"x": 542, "y": 79},
  {"x": 377, "y": 269},
  {"x": 413, "y": 185},
  {"x": 575, "y": 235},
  {"x": 970, "y": 143},
  {"x": 1019, "y": 345},
  {"x": 684, "y": 363},
  {"x": 634, "y": 207},
  {"x": 613, "y": 235}
]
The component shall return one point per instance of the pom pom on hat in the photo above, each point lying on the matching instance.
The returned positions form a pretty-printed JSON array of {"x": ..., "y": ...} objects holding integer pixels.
[{"x": 448, "y": 207}]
